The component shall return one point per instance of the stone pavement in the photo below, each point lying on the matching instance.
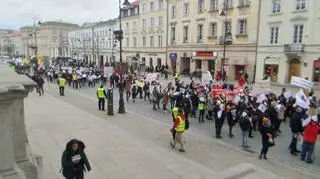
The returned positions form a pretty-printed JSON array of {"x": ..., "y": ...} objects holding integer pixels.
[{"x": 134, "y": 146}]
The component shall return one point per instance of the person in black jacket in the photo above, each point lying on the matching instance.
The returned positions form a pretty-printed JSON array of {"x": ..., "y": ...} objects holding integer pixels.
[
  {"x": 266, "y": 132},
  {"x": 245, "y": 125},
  {"x": 74, "y": 160},
  {"x": 296, "y": 129}
]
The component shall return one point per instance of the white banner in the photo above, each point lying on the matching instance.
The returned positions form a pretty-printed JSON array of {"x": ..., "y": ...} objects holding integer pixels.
[
  {"x": 206, "y": 78},
  {"x": 107, "y": 71},
  {"x": 151, "y": 77},
  {"x": 300, "y": 82}
]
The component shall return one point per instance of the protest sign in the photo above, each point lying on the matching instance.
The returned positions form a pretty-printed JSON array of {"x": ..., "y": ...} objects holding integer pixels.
[
  {"x": 139, "y": 83},
  {"x": 150, "y": 77},
  {"x": 287, "y": 94},
  {"x": 300, "y": 82}
]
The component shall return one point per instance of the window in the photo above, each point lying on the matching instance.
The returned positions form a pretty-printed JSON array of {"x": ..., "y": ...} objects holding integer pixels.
[
  {"x": 144, "y": 7},
  {"x": 228, "y": 25},
  {"x": 127, "y": 25},
  {"x": 173, "y": 11},
  {"x": 198, "y": 64},
  {"x": 134, "y": 25},
  {"x": 301, "y": 4},
  {"x": 243, "y": 2},
  {"x": 229, "y": 4},
  {"x": 213, "y": 5},
  {"x": 173, "y": 34},
  {"x": 144, "y": 41},
  {"x": 159, "y": 41},
  {"x": 200, "y": 32},
  {"x": 185, "y": 34},
  {"x": 274, "y": 35},
  {"x": 213, "y": 29},
  {"x": 128, "y": 42},
  {"x": 160, "y": 4},
  {"x": 298, "y": 34},
  {"x": 152, "y": 21},
  {"x": 200, "y": 6},
  {"x": 276, "y": 6},
  {"x": 242, "y": 27},
  {"x": 151, "y": 6},
  {"x": 134, "y": 39},
  {"x": 151, "y": 41},
  {"x": 144, "y": 23},
  {"x": 186, "y": 9},
  {"x": 160, "y": 18}
]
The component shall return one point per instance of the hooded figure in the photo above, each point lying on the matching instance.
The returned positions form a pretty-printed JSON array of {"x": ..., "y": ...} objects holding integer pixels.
[{"x": 74, "y": 160}]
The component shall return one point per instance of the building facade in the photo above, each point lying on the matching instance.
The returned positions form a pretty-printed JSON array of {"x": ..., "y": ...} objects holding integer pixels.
[
  {"x": 130, "y": 24},
  {"x": 94, "y": 42},
  {"x": 200, "y": 30},
  {"x": 289, "y": 43},
  {"x": 50, "y": 38},
  {"x": 145, "y": 33}
]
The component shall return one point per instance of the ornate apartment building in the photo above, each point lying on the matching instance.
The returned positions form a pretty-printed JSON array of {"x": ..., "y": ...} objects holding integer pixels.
[
  {"x": 200, "y": 30},
  {"x": 94, "y": 42},
  {"x": 145, "y": 32},
  {"x": 289, "y": 40}
]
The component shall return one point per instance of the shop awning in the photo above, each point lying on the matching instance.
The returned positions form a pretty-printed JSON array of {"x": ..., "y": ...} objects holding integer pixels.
[
  {"x": 316, "y": 64},
  {"x": 271, "y": 61},
  {"x": 236, "y": 61}
]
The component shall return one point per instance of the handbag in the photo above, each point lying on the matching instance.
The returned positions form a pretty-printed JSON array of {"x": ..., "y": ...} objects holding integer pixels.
[{"x": 271, "y": 142}]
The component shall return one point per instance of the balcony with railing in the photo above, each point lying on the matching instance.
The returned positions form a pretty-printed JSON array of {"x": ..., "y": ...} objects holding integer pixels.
[
  {"x": 225, "y": 40},
  {"x": 294, "y": 48}
]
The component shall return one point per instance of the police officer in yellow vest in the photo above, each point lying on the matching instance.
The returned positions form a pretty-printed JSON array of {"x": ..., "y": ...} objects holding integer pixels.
[
  {"x": 179, "y": 127},
  {"x": 101, "y": 94},
  {"x": 74, "y": 81},
  {"x": 61, "y": 84},
  {"x": 202, "y": 109},
  {"x": 176, "y": 77}
]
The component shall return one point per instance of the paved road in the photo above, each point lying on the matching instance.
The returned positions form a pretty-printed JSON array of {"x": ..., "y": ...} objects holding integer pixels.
[
  {"x": 142, "y": 126},
  {"x": 279, "y": 151}
]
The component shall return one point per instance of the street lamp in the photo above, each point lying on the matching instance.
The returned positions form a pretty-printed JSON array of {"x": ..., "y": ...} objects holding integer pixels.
[
  {"x": 119, "y": 35},
  {"x": 226, "y": 34}
]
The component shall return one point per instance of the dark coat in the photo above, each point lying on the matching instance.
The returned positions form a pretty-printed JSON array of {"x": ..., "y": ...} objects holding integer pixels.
[
  {"x": 244, "y": 123},
  {"x": 296, "y": 123},
  {"x": 68, "y": 167}
]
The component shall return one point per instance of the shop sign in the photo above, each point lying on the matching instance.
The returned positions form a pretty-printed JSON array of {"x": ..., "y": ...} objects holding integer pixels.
[
  {"x": 173, "y": 57},
  {"x": 206, "y": 54}
]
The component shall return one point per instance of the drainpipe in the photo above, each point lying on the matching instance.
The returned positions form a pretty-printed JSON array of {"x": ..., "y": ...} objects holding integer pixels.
[{"x": 257, "y": 43}]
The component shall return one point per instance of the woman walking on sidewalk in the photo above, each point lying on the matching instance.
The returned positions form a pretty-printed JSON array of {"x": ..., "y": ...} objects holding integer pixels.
[{"x": 74, "y": 160}]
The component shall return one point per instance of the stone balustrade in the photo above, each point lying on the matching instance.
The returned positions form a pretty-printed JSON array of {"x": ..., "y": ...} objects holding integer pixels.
[{"x": 16, "y": 162}]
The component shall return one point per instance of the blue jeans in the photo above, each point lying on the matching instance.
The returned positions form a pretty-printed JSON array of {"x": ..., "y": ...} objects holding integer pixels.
[
  {"x": 307, "y": 149},
  {"x": 194, "y": 110},
  {"x": 245, "y": 135}
]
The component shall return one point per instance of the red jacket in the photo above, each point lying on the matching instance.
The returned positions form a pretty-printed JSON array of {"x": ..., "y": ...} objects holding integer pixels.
[{"x": 311, "y": 132}]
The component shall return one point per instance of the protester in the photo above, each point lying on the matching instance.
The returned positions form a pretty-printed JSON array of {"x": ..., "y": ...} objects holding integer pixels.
[{"x": 266, "y": 132}]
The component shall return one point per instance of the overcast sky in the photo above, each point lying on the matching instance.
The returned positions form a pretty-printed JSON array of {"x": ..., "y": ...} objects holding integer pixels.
[{"x": 17, "y": 13}]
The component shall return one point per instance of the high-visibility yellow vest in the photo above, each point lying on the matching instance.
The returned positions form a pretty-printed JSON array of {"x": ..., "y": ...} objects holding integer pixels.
[
  {"x": 62, "y": 82},
  {"x": 201, "y": 106},
  {"x": 175, "y": 112},
  {"x": 74, "y": 77},
  {"x": 181, "y": 126},
  {"x": 177, "y": 75},
  {"x": 101, "y": 93}
]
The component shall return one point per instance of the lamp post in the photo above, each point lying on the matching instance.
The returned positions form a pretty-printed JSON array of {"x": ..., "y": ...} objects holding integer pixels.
[
  {"x": 226, "y": 34},
  {"x": 119, "y": 35}
]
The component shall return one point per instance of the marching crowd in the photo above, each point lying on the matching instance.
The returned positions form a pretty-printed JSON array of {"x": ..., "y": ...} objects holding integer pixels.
[{"x": 263, "y": 113}]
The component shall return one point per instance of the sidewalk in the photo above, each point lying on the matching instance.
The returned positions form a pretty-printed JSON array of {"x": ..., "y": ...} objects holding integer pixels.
[{"x": 133, "y": 146}]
